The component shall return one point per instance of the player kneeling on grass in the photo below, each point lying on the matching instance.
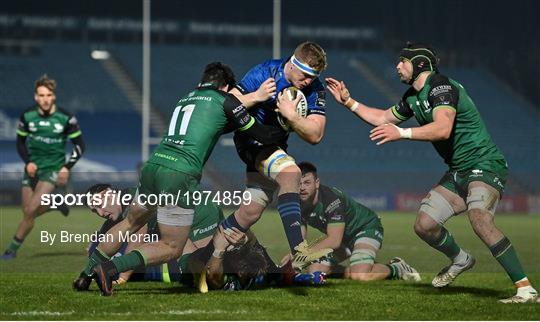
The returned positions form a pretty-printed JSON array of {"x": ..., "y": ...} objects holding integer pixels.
[
  {"x": 205, "y": 222},
  {"x": 348, "y": 226}
]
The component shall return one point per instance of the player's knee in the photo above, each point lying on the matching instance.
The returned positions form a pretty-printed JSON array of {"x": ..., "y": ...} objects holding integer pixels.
[
  {"x": 29, "y": 212},
  {"x": 289, "y": 176},
  {"x": 424, "y": 227},
  {"x": 250, "y": 213},
  {"x": 481, "y": 221},
  {"x": 363, "y": 277}
]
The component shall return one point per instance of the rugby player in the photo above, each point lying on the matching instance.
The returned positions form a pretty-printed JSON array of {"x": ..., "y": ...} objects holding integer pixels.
[
  {"x": 237, "y": 261},
  {"x": 175, "y": 168},
  {"x": 477, "y": 170},
  {"x": 205, "y": 221},
  {"x": 350, "y": 227},
  {"x": 41, "y": 139},
  {"x": 269, "y": 166}
]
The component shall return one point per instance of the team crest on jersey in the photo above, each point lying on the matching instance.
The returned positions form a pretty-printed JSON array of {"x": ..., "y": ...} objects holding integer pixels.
[
  {"x": 32, "y": 126},
  {"x": 58, "y": 128}
]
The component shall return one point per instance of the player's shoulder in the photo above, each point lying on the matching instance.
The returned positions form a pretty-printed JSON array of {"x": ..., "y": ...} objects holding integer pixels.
[
  {"x": 328, "y": 194},
  {"x": 267, "y": 67},
  {"x": 439, "y": 79},
  {"x": 408, "y": 93},
  {"x": 29, "y": 112},
  {"x": 316, "y": 85},
  {"x": 62, "y": 111},
  {"x": 229, "y": 99}
]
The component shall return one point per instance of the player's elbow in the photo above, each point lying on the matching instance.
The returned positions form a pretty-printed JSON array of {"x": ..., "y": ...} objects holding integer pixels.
[
  {"x": 444, "y": 134},
  {"x": 314, "y": 138}
]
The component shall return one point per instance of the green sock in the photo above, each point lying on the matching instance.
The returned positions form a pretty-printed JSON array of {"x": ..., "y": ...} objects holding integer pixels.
[
  {"x": 14, "y": 245},
  {"x": 97, "y": 257},
  {"x": 129, "y": 261},
  {"x": 506, "y": 255},
  {"x": 393, "y": 272},
  {"x": 446, "y": 244}
]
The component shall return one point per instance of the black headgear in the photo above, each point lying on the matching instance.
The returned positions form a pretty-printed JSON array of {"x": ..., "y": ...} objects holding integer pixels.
[{"x": 422, "y": 58}]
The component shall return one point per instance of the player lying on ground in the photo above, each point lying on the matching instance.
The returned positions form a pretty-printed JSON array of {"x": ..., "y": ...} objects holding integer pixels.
[
  {"x": 353, "y": 229},
  {"x": 205, "y": 221},
  {"x": 242, "y": 260},
  {"x": 268, "y": 166},
  {"x": 175, "y": 168},
  {"x": 477, "y": 169},
  {"x": 237, "y": 261},
  {"x": 41, "y": 139}
]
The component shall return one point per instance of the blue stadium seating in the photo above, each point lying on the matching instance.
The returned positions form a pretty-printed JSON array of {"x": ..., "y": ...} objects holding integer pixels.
[{"x": 346, "y": 157}]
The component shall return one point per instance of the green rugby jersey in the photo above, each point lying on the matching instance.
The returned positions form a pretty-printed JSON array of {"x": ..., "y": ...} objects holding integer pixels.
[
  {"x": 46, "y": 136},
  {"x": 197, "y": 122},
  {"x": 335, "y": 208},
  {"x": 469, "y": 143}
]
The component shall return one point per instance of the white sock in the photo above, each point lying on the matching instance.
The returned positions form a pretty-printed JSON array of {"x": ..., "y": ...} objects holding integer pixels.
[
  {"x": 526, "y": 290},
  {"x": 461, "y": 258}
]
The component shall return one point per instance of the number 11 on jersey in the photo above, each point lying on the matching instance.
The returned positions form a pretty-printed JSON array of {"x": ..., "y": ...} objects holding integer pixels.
[{"x": 188, "y": 110}]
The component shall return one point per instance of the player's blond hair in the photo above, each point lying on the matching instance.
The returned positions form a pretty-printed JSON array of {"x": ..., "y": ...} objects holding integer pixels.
[
  {"x": 47, "y": 82},
  {"x": 311, "y": 54}
]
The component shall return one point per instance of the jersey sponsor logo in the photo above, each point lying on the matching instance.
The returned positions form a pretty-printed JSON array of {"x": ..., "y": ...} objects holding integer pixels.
[
  {"x": 46, "y": 140},
  {"x": 321, "y": 99},
  {"x": 476, "y": 173},
  {"x": 238, "y": 109},
  {"x": 333, "y": 206},
  {"x": 441, "y": 89},
  {"x": 204, "y": 230}
]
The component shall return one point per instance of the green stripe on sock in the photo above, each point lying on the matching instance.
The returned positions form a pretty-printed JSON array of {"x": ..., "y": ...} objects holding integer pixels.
[
  {"x": 393, "y": 272},
  {"x": 446, "y": 244},
  {"x": 14, "y": 245},
  {"x": 97, "y": 257},
  {"x": 506, "y": 255},
  {"x": 129, "y": 261}
]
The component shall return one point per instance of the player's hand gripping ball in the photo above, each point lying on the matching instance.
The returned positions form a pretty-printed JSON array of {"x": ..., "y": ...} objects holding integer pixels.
[{"x": 301, "y": 108}]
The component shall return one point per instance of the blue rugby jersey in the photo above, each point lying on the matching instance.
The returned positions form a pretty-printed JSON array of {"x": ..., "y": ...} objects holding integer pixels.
[{"x": 264, "y": 112}]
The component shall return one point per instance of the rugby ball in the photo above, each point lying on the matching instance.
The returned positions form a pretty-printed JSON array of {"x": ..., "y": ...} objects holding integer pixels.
[{"x": 301, "y": 108}]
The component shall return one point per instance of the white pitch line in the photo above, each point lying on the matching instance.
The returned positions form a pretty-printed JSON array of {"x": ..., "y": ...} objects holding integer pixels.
[{"x": 34, "y": 313}]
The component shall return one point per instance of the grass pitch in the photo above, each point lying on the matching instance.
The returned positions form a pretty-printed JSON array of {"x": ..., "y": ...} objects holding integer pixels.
[{"x": 37, "y": 285}]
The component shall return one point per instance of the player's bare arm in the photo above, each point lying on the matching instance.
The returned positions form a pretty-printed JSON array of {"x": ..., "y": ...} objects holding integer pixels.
[
  {"x": 333, "y": 239},
  {"x": 310, "y": 128},
  {"x": 371, "y": 115},
  {"x": 266, "y": 91},
  {"x": 438, "y": 130}
]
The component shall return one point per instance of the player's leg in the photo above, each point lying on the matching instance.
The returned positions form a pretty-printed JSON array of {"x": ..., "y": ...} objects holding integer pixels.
[
  {"x": 363, "y": 267},
  {"x": 440, "y": 204},
  {"x": 32, "y": 208},
  {"x": 174, "y": 225},
  {"x": 482, "y": 202}
]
